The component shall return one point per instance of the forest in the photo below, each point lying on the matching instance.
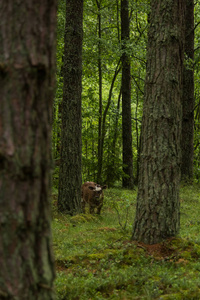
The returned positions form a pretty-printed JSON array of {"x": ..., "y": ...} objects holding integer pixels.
[
  {"x": 124, "y": 44},
  {"x": 110, "y": 93},
  {"x": 106, "y": 93}
]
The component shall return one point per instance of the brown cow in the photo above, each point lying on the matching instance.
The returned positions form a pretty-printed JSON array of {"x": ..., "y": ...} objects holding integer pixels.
[{"x": 92, "y": 194}]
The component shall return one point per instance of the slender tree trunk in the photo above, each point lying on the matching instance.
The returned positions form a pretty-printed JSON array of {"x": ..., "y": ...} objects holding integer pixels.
[
  {"x": 126, "y": 99},
  {"x": 111, "y": 161},
  {"x": 69, "y": 198},
  {"x": 117, "y": 70},
  {"x": 100, "y": 147},
  {"x": 188, "y": 96},
  {"x": 118, "y": 19},
  {"x": 157, "y": 212},
  {"x": 137, "y": 134},
  {"x": 27, "y": 68}
]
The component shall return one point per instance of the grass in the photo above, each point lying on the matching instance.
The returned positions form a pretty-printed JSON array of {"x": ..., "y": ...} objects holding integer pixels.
[{"x": 95, "y": 258}]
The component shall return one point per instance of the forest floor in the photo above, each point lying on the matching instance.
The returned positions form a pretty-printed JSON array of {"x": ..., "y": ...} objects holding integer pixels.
[{"x": 96, "y": 259}]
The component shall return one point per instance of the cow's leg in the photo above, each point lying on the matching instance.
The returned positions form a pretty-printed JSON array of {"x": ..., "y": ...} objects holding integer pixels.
[
  {"x": 92, "y": 209},
  {"x": 99, "y": 209},
  {"x": 83, "y": 206}
]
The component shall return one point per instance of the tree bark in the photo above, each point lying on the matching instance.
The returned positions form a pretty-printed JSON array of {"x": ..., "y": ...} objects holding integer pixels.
[
  {"x": 70, "y": 180},
  {"x": 27, "y": 68},
  {"x": 111, "y": 163},
  {"x": 188, "y": 96},
  {"x": 100, "y": 138},
  {"x": 127, "y": 181},
  {"x": 157, "y": 212}
]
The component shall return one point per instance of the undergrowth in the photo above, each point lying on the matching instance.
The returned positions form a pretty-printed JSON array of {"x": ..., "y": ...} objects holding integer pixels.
[{"x": 95, "y": 258}]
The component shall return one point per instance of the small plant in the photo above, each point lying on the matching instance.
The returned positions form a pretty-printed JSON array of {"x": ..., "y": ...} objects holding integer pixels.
[{"x": 122, "y": 208}]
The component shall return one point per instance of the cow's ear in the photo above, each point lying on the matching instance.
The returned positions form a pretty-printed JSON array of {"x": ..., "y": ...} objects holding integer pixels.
[
  {"x": 104, "y": 187},
  {"x": 91, "y": 187}
]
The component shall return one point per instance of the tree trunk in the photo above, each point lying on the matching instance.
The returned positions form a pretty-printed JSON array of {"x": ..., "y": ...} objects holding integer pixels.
[
  {"x": 70, "y": 180},
  {"x": 188, "y": 96},
  {"x": 157, "y": 212},
  {"x": 126, "y": 100},
  {"x": 111, "y": 163},
  {"x": 137, "y": 134},
  {"x": 27, "y": 68},
  {"x": 100, "y": 142}
]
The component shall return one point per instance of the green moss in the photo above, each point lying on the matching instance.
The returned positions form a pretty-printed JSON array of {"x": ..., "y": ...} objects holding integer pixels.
[
  {"x": 96, "y": 260},
  {"x": 186, "y": 255},
  {"x": 175, "y": 296},
  {"x": 185, "y": 249},
  {"x": 177, "y": 243},
  {"x": 196, "y": 251},
  {"x": 133, "y": 255},
  {"x": 182, "y": 295},
  {"x": 122, "y": 256},
  {"x": 82, "y": 218},
  {"x": 107, "y": 253}
]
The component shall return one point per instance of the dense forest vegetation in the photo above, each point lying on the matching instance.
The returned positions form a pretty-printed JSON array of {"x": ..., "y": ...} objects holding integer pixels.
[
  {"x": 125, "y": 117},
  {"x": 108, "y": 48},
  {"x": 100, "y": 259}
]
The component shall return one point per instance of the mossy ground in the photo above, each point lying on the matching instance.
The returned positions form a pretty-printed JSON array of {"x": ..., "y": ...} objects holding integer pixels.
[{"x": 95, "y": 258}]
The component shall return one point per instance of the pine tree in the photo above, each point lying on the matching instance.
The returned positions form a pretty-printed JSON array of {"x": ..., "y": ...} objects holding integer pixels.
[
  {"x": 69, "y": 198},
  {"x": 27, "y": 68},
  {"x": 157, "y": 212}
]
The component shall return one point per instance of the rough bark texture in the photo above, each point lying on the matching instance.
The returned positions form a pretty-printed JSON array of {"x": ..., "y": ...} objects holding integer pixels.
[
  {"x": 27, "y": 67},
  {"x": 100, "y": 137},
  {"x": 157, "y": 212},
  {"x": 126, "y": 99},
  {"x": 188, "y": 96},
  {"x": 69, "y": 198}
]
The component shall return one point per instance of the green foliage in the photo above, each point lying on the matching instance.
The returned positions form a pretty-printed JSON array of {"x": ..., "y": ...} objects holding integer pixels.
[
  {"x": 110, "y": 56},
  {"x": 95, "y": 258},
  {"x": 122, "y": 207},
  {"x": 111, "y": 50}
]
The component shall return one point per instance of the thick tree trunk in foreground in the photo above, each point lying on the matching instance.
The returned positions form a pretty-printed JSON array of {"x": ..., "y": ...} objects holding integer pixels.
[
  {"x": 157, "y": 213},
  {"x": 188, "y": 96},
  {"x": 27, "y": 67},
  {"x": 126, "y": 99},
  {"x": 70, "y": 180}
]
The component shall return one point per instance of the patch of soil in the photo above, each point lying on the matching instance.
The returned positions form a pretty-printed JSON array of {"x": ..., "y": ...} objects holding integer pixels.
[{"x": 159, "y": 251}]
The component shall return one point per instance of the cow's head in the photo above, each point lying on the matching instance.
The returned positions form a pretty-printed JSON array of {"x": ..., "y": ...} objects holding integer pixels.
[{"x": 97, "y": 190}]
